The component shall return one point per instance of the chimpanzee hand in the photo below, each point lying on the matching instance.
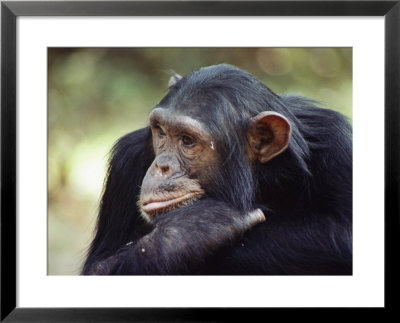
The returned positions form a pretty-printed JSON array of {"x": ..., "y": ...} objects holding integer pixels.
[{"x": 181, "y": 239}]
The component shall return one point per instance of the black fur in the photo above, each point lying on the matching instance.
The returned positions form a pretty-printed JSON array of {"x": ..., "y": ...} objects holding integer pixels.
[{"x": 305, "y": 192}]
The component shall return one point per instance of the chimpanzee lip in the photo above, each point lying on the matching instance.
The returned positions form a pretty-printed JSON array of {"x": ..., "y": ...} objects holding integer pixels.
[{"x": 157, "y": 206}]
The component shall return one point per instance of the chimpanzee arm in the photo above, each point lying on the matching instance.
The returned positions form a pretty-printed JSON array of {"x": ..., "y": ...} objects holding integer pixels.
[{"x": 181, "y": 240}]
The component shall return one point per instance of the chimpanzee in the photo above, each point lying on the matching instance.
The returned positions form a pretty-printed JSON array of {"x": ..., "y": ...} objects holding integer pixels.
[{"x": 228, "y": 179}]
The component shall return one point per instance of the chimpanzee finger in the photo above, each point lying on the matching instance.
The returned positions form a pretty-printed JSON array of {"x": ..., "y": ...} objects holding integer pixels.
[{"x": 254, "y": 217}]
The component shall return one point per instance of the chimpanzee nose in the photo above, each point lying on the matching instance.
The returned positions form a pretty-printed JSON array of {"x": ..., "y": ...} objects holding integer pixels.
[
  {"x": 162, "y": 164},
  {"x": 164, "y": 169}
]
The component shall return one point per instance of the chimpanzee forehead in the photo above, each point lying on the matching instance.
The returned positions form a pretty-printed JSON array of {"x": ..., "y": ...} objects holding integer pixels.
[
  {"x": 205, "y": 106},
  {"x": 177, "y": 119}
]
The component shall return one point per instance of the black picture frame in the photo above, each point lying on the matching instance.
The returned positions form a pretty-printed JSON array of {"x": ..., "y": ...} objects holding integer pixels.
[{"x": 10, "y": 10}]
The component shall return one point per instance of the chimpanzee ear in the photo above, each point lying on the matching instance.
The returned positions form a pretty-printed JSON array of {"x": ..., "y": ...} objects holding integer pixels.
[
  {"x": 268, "y": 136},
  {"x": 173, "y": 80}
]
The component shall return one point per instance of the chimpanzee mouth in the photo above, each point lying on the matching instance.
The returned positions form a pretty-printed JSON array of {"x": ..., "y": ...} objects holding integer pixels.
[{"x": 151, "y": 209}]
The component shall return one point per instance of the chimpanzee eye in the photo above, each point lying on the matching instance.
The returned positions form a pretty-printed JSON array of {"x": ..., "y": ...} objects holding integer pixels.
[
  {"x": 187, "y": 140},
  {"x": 160, "y": 132}
]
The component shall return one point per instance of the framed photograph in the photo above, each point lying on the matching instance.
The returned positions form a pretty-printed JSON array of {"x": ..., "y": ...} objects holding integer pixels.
[{"x": 77, "y": 76}]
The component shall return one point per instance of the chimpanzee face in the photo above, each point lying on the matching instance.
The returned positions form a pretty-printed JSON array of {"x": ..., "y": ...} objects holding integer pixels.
[{"x": 186, "y": 156}]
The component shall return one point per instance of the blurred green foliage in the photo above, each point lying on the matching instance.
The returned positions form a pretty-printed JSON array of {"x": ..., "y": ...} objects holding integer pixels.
[{"x": 96, "y": 95}]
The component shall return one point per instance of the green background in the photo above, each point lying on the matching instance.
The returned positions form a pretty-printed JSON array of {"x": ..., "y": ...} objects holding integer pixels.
[{"x": 96, "y": 95}]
